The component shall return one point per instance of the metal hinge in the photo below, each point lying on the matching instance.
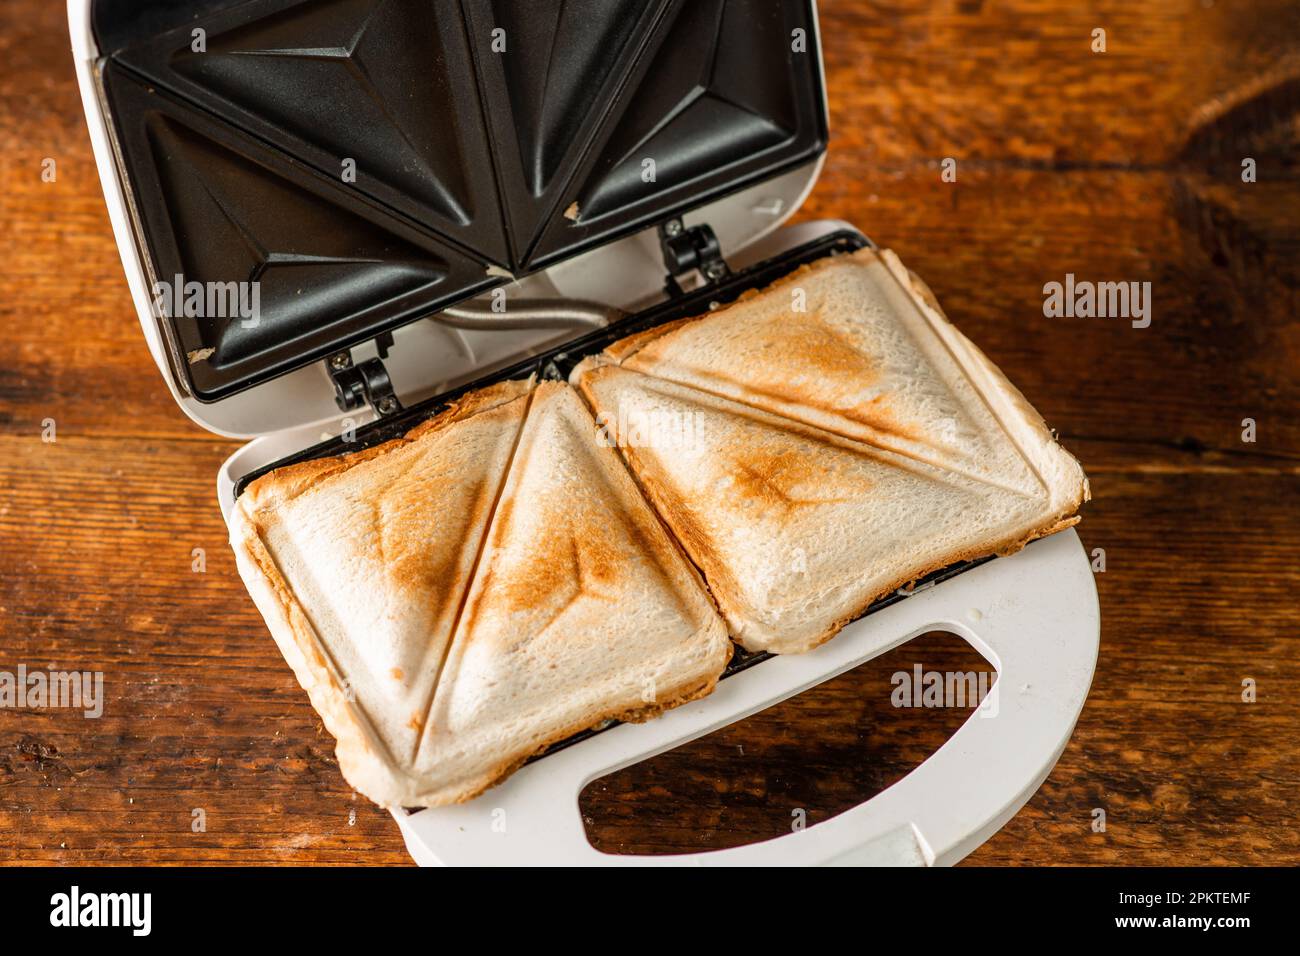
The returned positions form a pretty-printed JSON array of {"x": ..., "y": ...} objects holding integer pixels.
[
  {"x": 687, "y": 249},
  {"x": 356, "y": 386}
]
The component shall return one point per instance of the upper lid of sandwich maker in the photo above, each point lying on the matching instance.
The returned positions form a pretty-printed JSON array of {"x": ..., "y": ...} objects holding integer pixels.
[{"x": 371, "y": 162}]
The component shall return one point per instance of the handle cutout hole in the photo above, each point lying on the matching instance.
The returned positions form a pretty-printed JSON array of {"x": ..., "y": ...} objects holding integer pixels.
[{"x": 800, "y": 762}]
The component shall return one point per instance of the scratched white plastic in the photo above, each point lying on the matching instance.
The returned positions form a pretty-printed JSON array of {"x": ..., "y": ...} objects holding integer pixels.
[{"x": 1034, "y": 615}]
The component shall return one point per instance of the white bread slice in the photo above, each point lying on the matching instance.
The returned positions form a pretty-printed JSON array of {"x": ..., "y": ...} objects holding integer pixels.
[
  {"x": 360, "y": 565},
  {"x": 797, "y": 530},
  {"x": 853, "y": 344},
  {"x": 582, "y": 610}
]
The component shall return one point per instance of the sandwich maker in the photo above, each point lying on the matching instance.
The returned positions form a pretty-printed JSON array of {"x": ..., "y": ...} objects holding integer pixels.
[{"x": 384, "y": 203}]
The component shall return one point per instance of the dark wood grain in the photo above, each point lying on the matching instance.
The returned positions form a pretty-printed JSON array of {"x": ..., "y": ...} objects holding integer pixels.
[{"x": 1116, "y": 166}]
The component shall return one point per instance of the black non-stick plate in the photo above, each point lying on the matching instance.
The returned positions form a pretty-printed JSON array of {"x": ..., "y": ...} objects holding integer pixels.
[{"x": 479, "y": 137}]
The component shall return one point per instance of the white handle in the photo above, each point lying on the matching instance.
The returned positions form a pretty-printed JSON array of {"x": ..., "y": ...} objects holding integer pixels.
[{"x": 1034, "y": 615}]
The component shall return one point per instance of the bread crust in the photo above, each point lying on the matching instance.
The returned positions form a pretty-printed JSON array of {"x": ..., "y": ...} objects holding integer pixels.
[
  {"x": 683, "y": 694},
  {"x": 290, "y": 481}
]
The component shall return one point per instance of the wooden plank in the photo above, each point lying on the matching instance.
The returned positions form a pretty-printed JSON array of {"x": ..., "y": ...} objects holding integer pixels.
[
  {"x": 1123, "y": 166},
  {"x": 201, "y": 711}
]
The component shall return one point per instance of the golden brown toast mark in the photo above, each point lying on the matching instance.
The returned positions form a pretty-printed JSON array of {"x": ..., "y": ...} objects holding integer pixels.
[
  {"x": 480, "y": 547},
  {"x": 682, "y": 525},
  {"x": 576, "y": 555},
  {"x": 434, "y": 562},
  {"x": 771, "y": 477},
  {"x": 823, "y": 352},
  {"x": 305, "y": 475}
]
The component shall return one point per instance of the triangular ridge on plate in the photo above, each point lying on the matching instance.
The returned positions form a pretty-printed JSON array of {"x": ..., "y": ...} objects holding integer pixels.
[
  {"x": 375, "y": 84},
  {"x": 220, "y": 209}
]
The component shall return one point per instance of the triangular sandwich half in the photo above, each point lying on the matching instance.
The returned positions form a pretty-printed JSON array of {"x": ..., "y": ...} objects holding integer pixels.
[
  {"x": 583, "y": 609},
  {"x": 360, "y": 565}
]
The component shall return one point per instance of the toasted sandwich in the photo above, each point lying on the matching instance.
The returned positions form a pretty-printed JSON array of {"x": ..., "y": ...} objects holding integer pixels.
[
  {"x": 828, "y": 440},
  {"x": 457, "y": 600},
  {"x": 583, "y": 609}
]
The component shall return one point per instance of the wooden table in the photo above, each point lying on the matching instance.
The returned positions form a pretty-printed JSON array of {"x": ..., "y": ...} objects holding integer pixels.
[{"x": 1123, "y": 165}]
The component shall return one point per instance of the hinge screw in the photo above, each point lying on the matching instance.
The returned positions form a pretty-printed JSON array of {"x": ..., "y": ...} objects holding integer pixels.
[
  {"x": 715, "y": 270},
  {"x": 340, "y": 361},
  {"x": 386, "y": 406},
  {"x": 673, "y": 227}
]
